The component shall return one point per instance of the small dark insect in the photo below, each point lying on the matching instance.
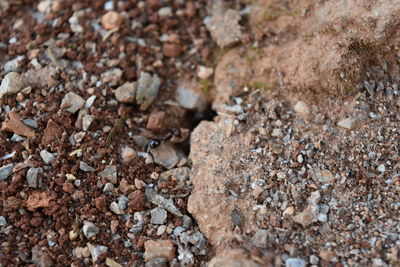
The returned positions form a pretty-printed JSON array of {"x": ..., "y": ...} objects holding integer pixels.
[{"x": 154, "y": 143}]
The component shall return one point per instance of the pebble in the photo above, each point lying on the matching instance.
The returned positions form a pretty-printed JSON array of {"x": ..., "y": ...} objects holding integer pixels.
[
  {"x": 113, "y": 76},
  {"x": 204, "y": 72},
  {"x": 90, "y": 101},
  {"x": 161, "y": 229},
  {"x": 89, "y": 229},
  {"x": 147, "y": 89},
  {"x": 126, "y": 92},
  {"x": 12, "y": 83},
  {"x": 314, "y": 260},
  {"x": 6, "y": 171},
  {"x": 114, "y": 226},
  {"x": 111, "y": 20},
  {"x": 301, "y": 108},
  {"x": 165, "y": 155},
  {"x": 171, "y": 49},
  {"x": 32, "y": 177},
  {"x": 30, "y": 123},
  {"x": 381, "y": 168},
  {"x": 188, "y": 98},
  {"x": 346, "y": 123},
  {"x": 72, "y": 102},
  {"x": 307, "y": 216},
  {"x": 115, "y": 208},
  {"x": 156, "y": 121},
  {"x": 295, "y": 262},
  {"x": 95, "y": 251},
  {"x": 277, "y": 132},
  {"x": 86, "y": 167},
  {"x": 122, "y": 202},
  {"x": 17, "y": 138},
  {"x": 87, "y": 122},
  {"x": 3, "y": 221},
  {"x": 108, "y": 187},
  {"x": 158, "y": 216},
  {"x": 138, "y": 226},
  {"x": 159, "y": 249},
  {"x": 112, "y": 263},
  {"x": 128, "y": 154},
  {"x": 165, "y": 12},
  {"x": 110, "y": 173},
  {"x": 13, "y": 65},
  {"x": 46, "y": 156},
  {"x": 260, "y": 238}
]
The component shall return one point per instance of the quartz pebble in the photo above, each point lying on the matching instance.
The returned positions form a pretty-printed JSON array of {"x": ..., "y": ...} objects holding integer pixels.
[
  {"x": 89, "y": 229},
  {"x": 46, "y": 156},
  {"x": 72, "y": 102},
  {"x": 204, "y": 72}
]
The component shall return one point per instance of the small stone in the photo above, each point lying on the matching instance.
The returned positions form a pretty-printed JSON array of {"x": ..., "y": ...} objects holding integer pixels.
[
  {"x": 171, "y": 49},
  {"x": 73, "y": 235},
  {"x": 302, "y": 108},
  {"x": 3, "y": 221},
  {"x": 165, "y": 12},
  {"x": 46, "y": 156},
  {"x": 86, "y": 167},
  {"x": 156, "y": 121},
  {"x": 295, "y": 262},
  {"x": 189, "y": 96},
  {"x": 137, "y": 201},
  {"x": 314, "y": 260},
  {"x": 165, "y": 155},
  {"x": 122, "y": 202},
  {"x": 147, "y": 90},
  {"x": 108, "y": 187},
  {"x": 113, "y": 76},
  {"x": 72, "y": 102},
  {"x": 111, "y": 20},
  {"x": 11, "y": 84},
  {"x": 126, "y": 92},
  {"x": 260, "y": 238},
  {"x": 68, "y": 188},
  {"x": 42, "y": 78},
  {"x": 115, "y": 208},
  {"x": 327, "y": 255},
  {"x": 204, "y": 72},
  {"x": 289, "y": 211},
  {"x": 14, "y": 65},
  {"x": 6, "y": 171},
  {"x": 159, "y": 249},
  {"x": 41, "y": 257},
  {"x": 224, "y": 27},
  {"x": 89, "y": 229},
  {"x": 30, "y": 123},
  {"x": 307, "y": 216},
  {"x": 95, "y": 251},
  {"x": 14, "y": 125},
  {"x": 40, "y": 199},
  {"x": 161, "y": 229},
  {"x": 114, "y": 226},
  {"x": 87, "y": 121},
  {"x": 277, "y": 132},
  {"x": 381, "y": 168},
  {"x": 158, "y": 216},
  {"x": 32, "y": 177},
  {"x": 346, "y": 123},
  {"x": 128, "y": 154},
  {"x": 112, "y": 263},
  {"x": 110, "y": 173}
]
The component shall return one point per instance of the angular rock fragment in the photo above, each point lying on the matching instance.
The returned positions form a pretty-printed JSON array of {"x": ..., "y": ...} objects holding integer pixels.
[
  {"x": 147, "y": 90},
  {"x": 126, "y": 93},
  {"x": 159, "y": 249},
  {"x": 11, "y": 84},
  {"x": 72, "y": 102}
]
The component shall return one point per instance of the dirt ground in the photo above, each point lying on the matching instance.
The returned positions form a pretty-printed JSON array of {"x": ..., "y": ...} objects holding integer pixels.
[{"x": 199, "y": 133}]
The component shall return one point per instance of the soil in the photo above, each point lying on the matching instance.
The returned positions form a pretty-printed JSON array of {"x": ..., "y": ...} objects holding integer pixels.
[{"x": 292, "y": 168}]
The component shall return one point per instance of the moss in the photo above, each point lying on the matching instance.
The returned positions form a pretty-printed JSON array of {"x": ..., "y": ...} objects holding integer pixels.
[{"x": 260, "y": 85}]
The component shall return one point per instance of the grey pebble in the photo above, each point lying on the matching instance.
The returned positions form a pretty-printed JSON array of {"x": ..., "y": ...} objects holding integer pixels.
[
  {"x": 295, "y": 262},
  {"x": 46, "y": 156},
  {"x": 31, "y": 123},
  {"x": 32, "y": 177},
  {"x": 6, "y": 171},
  {"x": 158, "y": 216},
  {"x": 3, "y": 221},
  {"x": 17, "y": 138},
  {"x": 85, "y": 167},
  {"x": 89, "y": 229}
]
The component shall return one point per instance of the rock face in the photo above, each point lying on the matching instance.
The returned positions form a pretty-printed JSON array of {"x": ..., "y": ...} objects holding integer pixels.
[{"x": 211, "y": 152}]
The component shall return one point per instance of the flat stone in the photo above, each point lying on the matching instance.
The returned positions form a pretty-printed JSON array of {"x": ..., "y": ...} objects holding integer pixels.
[
  {"x": 159, "y": 249},
  {"x": 40, "y": 199},
  {"x": 46, "y": 156},
  {"x": 113, "y": 76},
  {"x": 14, "y": 64},
  {"x": 147, "y": 90},
  {"x": 346, "y": 123},
  {"x": 32, "y": 177},
  {"x": 158, "y": 216},
  {"x": 52, "y": 133},
  {"x": 17, "y": 138},
  {"x": 87, "y": 121},
  {"x": 12, "y": 83},
  {"x": 308, "y": 216},
  {"x": 42, "y": 78},
  {"x": 6, "y": 171},
  {"x": 72, "y": 102},
  {"x": 95, "y": 251},
  {"x": 189, "y": 96},
  {"x": 295, "y": 262},
  {"x": 126, "y": 92},
  {"x": 89, "y": 229},
  {"x": 30, "y": 123},
  {"x": 14, "y": 125},
  {"x": 165, "y": 155},
  {"x": 86, "y": 167},
  {"x": 260, "y": 238}
]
